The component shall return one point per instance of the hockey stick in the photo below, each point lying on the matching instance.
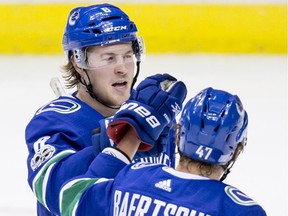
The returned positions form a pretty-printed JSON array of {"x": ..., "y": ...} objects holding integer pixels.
[{"x": 57, "y": 87}]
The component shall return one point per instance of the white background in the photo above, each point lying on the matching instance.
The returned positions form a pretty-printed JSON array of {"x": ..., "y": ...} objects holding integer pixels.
[{"x": 259, "y": 80}]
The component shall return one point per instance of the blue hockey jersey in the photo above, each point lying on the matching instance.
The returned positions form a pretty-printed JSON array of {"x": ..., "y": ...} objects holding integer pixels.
[
  {"x": 59, "y": 143},
  {"x": 154, "y": 189}
]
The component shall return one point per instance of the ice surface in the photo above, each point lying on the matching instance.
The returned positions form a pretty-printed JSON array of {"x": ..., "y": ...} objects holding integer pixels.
[{"x": 260, "y": 82}]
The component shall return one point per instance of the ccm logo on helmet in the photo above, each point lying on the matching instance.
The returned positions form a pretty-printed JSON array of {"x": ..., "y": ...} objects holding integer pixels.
[
  {"x": 143, "y": 112},
  {"x": 115, "y": 28}
]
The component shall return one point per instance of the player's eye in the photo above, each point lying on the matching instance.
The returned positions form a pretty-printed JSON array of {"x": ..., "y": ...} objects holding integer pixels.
[{"x": 108, "y": 59}]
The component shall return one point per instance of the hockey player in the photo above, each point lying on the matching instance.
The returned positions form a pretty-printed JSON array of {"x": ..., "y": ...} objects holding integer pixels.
[
  {"x": 211, "y": 135},
  {"x": 103, "y": 53}
]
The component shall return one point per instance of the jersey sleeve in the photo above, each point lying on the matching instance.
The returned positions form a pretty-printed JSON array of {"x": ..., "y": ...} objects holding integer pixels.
[
  {"x": 108, "y": 163},
  {"x": 87, "y": 194},
  {"x": 59, "y": 146}
]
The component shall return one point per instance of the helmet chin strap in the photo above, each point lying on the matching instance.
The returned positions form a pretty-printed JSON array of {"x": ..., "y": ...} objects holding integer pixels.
[
  {"x": 89, "y": 88},
  {"x": 227, "y": 169},
  {"x": 136, "y": 75}
]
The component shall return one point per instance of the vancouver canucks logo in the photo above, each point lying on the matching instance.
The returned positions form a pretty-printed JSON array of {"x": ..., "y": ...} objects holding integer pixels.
[
  {"x": 239, "y": 197},
  {"x": 64, "y": 106},
  {"x": 73, "y": 17},
  {"x": 140, "y": 165}
]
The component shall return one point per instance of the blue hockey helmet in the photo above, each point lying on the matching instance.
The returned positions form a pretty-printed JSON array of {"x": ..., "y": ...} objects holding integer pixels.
[
  {"x": 99, "y": 25},
  {"x": 213, "y": 123}
]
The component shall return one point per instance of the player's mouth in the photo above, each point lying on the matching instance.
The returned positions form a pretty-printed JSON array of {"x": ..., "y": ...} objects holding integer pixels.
[{"x": 120, "y": 84}]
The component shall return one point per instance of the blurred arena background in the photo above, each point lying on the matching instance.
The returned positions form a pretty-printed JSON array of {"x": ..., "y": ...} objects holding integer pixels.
[
  {"x": 236, "y": 45},
  {"x": 225, "y": 26}
]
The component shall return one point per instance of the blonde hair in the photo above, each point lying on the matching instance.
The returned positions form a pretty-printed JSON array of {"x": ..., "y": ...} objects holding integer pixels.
[{"x": 70, "y": 75}]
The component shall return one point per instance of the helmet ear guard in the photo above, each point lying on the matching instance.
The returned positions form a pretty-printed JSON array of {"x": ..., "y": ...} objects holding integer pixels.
[
  {"x": 79, "y": 56},
  {"x": 139, "y": 49}
]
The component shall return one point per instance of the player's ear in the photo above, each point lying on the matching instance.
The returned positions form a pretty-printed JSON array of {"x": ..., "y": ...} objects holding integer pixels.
[{"x": 73, "y": 61}]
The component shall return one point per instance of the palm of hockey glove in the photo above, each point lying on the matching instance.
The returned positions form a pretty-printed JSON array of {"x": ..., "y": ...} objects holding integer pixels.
[
  {"x": 154, "y": 107},
  {"x": 100, "y": 139},
  {"x": 159, "y": 146}
]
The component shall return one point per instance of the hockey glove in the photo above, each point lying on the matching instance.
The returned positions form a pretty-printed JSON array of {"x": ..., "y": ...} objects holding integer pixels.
[
  {"x": 100, "y": 139},
  {"x": 160, "y": 146},
  {"x": 157, "y": 101}
]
